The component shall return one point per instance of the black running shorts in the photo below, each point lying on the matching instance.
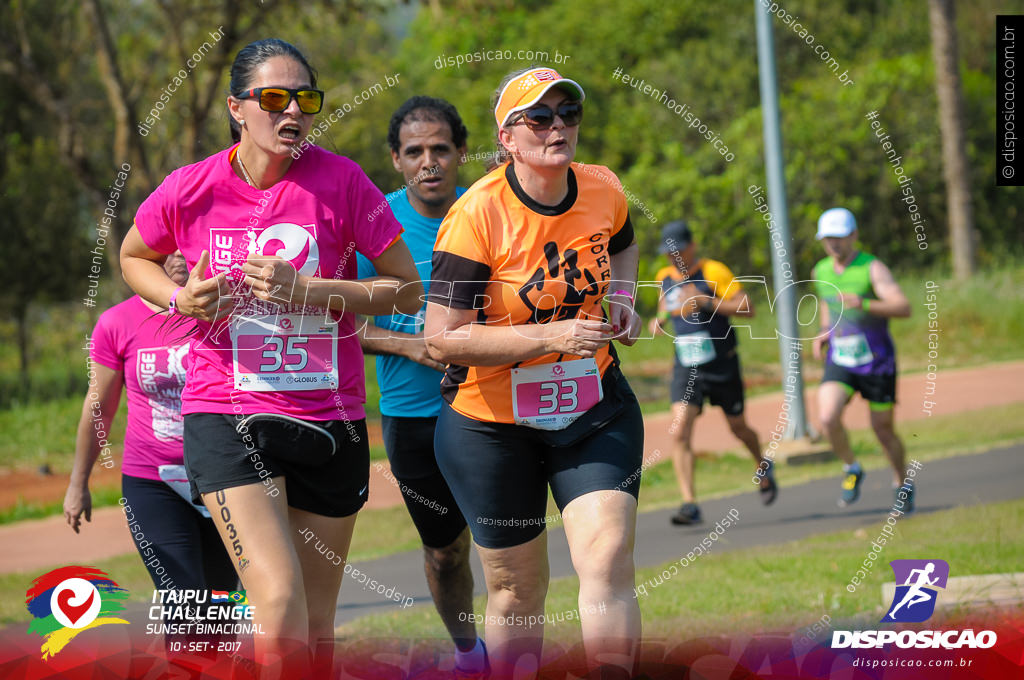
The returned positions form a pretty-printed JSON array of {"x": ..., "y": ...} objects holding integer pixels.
[
  {"x": 218, "y": 457},
  {"x": 410, "y": 446},
  {"x": 690, "y": 385},
  {"x": 500, "y": 472},
  {"x": 879, "y": 390}
]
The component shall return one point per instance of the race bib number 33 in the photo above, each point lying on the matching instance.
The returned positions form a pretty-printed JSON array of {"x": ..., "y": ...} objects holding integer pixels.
[
  {"x": 286, "y": 352},
  {"x": 552, "y": 396}
]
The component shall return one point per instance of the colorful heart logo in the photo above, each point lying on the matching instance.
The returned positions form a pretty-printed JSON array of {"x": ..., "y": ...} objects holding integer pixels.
[
  {"x": 75, "y": 603},
  {"x": 74, "y": 612}
]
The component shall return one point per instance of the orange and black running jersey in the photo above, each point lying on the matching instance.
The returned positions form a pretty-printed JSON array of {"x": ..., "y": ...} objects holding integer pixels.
[
  {"x": 517, "y": 261},
  {"x": 715, "y": 280}
]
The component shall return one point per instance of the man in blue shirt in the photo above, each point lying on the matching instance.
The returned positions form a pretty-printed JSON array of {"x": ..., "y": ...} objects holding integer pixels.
[{"x": 427, "y": 140}]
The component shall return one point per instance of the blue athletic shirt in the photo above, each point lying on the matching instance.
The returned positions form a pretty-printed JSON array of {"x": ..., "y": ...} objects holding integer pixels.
[{"x": 407, "y": 388}]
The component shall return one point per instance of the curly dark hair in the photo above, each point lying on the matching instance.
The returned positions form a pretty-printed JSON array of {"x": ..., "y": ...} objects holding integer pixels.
[{"x": 423, "y": 108}]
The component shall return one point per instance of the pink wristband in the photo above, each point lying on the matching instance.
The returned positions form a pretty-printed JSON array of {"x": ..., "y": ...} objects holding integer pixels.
[
  {"x": 171, "y": 306},
  {"x": 625, "y": 292}
]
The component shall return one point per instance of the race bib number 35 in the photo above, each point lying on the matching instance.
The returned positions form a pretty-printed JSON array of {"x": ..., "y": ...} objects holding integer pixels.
[
  {"x": 282, "y": 353},
  {"x": 552, "y": 396}
]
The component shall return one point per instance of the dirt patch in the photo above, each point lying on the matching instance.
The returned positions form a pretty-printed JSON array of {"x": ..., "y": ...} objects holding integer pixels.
[{"x": 32, "y": 486}]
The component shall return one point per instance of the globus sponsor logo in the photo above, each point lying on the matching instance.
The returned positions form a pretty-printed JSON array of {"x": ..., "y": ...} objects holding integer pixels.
[{"x": 913, "y": 639}]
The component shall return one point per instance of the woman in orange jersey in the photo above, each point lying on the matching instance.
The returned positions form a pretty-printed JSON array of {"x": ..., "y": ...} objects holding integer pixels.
[{"x": 534, "y": 396}]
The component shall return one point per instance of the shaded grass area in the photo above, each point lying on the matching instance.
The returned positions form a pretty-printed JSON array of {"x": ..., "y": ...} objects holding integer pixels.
[
  {"x": 37, "y": 434},
  {"x": 43, "y": 433},
  {"x": 784, "y": 587}
]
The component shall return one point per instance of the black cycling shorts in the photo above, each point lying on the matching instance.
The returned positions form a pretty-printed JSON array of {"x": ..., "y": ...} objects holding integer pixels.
[
  {"x": 410, "y": 447},
  {"x": 878, "y": 389},
  {"x": 218, "y": 457},
  {"x": 500, "y": 472}
]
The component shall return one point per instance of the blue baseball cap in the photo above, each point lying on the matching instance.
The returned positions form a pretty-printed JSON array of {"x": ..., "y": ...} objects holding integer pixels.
[{"x": 675, "y": 236}]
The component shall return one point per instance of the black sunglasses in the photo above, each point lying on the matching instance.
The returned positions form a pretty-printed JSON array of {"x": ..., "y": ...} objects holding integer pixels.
[
  {"x": 276, "y": 99},
  {"x": 542, "y": 118}
]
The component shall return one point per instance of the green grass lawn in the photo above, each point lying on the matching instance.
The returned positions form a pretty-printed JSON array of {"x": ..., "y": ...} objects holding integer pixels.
[{"x": 777, "y": 588}]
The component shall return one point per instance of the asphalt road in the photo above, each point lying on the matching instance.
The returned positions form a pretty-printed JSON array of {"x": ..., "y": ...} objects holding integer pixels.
[{"x": 799, "y": 511}]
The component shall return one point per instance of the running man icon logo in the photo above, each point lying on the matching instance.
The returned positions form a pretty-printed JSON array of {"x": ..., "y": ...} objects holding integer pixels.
[{"x": 914, "y": 600}]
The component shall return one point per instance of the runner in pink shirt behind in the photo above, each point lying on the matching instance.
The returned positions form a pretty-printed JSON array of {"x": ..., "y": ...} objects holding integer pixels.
[
  {"x": 275, "y": 434},
  {"x": 137, "y": 346}
]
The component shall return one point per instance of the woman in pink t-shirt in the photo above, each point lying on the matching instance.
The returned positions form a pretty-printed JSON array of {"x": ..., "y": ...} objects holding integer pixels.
[
  {"x": 275, "y": 433},
  {"x": 136, "y": 346}
]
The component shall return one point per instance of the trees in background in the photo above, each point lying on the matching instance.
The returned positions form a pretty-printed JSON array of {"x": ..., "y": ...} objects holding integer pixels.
[
  {"x": 703, "y": 55},
  {"x": 116, "y": 81},
  {"x": 90, "y": 72},
  {"x": 956, "y": 170}
]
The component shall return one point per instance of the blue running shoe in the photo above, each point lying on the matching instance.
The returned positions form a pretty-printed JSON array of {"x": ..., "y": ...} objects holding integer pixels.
[{"x": 851, "y": 485}]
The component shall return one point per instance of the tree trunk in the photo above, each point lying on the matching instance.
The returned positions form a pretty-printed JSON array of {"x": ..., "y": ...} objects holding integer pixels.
[
  {"x": 942, "y": 16},
  {"x": 21, "y": 316}
]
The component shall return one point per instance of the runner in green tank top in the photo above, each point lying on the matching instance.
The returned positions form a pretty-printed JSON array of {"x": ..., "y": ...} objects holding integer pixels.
[{"x": 859, "y": 296}]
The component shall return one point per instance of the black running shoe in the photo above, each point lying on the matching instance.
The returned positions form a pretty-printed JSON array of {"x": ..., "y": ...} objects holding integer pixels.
[
  {"x": 908, "y": 502},
  {"x": 770, "y": 490},
  {"x": 689, "y": 513}
]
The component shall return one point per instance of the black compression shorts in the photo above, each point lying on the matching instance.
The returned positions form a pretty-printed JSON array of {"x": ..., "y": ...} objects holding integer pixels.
[
  {"x": 877, "y": 389},
  {"x": 410, "y": 447},
  {"x": 500, "y": 472}
]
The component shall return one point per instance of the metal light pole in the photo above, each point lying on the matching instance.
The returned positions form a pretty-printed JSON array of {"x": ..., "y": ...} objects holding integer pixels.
[{"x": 785, "y": 295}]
